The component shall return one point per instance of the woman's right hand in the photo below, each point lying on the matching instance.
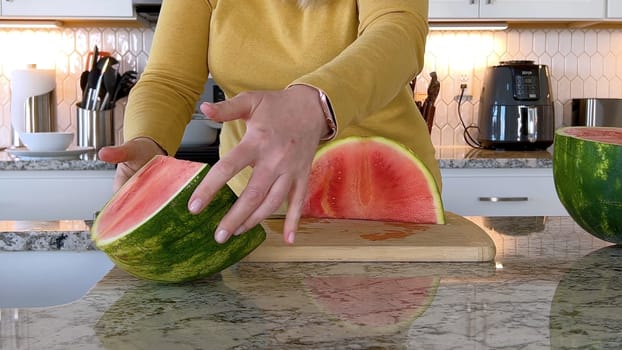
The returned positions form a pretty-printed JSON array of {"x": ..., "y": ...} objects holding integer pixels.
[{"x": 130, "y": 157}]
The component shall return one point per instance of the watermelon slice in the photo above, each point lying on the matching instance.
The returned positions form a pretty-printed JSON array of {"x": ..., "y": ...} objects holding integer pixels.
[
  {"x": 372, "y": 178},
  {"x": 587, "y": 170},
  {"x": 374, "y": 301},
  {"x": 147, "y": 230}
]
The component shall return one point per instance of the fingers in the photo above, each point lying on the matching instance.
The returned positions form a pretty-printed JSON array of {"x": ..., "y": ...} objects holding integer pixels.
[
  {"x": 218, "y": 176},
  {"x": 294, "y": 211},
  {"x": 139, "y": 149},
  {"x": 239, "y": 107},
  {"x": 251, "y": 214},
  {"x": 113, "y": 154}
]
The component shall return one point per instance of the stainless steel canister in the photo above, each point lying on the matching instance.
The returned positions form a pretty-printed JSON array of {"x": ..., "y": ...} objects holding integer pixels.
[
  {"x": 596, "y": 112},
  {"x": 39, "y": 115},
  {"x": 95, "y": 128}
]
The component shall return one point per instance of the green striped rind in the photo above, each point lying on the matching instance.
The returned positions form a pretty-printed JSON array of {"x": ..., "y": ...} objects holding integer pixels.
[
  {"x": 588, "y": 181},
  {"x": 177, "y": 246},
  {"x": 434, "y": 187}
]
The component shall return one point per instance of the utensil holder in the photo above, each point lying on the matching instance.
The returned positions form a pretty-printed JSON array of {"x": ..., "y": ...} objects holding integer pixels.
[{"x": 95, "y": 128}]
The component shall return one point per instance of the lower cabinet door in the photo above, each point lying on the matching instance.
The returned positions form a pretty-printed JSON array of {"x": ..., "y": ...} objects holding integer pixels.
[
  {"x": 501, "y": 192},
  {"x": 53, "y": 195}
]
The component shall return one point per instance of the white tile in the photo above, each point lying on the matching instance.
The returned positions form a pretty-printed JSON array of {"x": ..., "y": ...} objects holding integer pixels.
[
  {"x": 590, "y": 87},
  {"x": 576, "y": 88},
  {"x": 583, "y": 65},
  {"x": 603, "y": 41},
  {"x": 552, "y": 42},
  {"x": 565, "y": 42},
  {"x": 609, "y": 65},
  {"x": 571, "y": 68},
  {"x": 578, "y": 42},
  {"x": 602, "y": 88},
  {"x": 596, "y": 65},
  {"x": 525, "y": 43},
  {"x": 539, "y": 43},
  {"x": 590, "y": 43}
]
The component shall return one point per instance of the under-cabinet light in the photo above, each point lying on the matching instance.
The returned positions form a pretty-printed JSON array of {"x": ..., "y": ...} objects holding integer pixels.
[
  {"x": 20, "y": 24},
  {"x": 468, "y": 26}
]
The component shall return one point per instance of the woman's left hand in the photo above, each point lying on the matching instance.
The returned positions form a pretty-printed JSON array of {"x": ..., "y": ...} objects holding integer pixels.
[{"x": 283, "y": 130}]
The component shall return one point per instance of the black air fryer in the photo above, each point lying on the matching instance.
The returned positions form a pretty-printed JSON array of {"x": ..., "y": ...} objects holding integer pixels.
[{"x": 516, "y": 108}]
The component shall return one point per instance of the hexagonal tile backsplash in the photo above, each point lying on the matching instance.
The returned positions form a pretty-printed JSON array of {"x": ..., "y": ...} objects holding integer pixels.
[{"x": 582, "y": 62}]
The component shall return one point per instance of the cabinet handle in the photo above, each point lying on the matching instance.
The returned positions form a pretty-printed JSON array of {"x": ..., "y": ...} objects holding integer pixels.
[
  {"x": 503, "y": 199},
  {"x": 488, "y": 2},
  {"x": 472, "y": 2}
]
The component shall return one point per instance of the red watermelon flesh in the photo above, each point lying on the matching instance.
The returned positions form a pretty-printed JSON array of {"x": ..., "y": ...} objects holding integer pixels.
[
  {"x": 372, "y": 178},
  {"x": 374, "y": 301},
  {"x": 597, "y": 134},
  {"x": 149, "y": 199}
]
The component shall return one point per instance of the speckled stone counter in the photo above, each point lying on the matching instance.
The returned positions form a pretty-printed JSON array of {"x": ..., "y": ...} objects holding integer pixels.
[
  {"x": 551, "y": 286},
  {"x": 467, "y": 157},
  {"x": 84, "y": 162},
  {"x": 448, "y": 157}
]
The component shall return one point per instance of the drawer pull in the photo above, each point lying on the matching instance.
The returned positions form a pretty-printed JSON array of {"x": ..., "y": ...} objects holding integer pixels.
[{"x": 503, "y": 199}]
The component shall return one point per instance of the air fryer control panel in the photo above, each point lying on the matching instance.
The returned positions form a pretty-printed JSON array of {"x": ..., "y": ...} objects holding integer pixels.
[{"x": 526, "y": 83}]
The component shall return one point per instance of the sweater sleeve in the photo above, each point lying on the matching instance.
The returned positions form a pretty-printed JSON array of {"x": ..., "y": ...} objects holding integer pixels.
[
  {"x": 387, "y": 54},
  {"x": 163, "y": 100}
]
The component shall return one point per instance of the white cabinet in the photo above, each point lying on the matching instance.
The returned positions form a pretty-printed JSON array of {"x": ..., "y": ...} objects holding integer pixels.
[
  {"x": 87, "y": 9},
  {"x": 543, "y": 9},
  {"x": 453, "y": 9},
  {"x": 501, "y": 192},
  {"x": 518, "y": 9},
  {"x": 53, "y": 194},
  {"x": 614, "y": 9}
]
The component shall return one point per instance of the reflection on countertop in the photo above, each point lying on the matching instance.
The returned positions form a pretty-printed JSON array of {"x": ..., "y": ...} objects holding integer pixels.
[{"x": 554, "y": 287}]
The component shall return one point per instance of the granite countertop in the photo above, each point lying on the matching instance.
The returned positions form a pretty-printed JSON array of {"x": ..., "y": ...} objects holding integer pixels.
[
  {"x": 466, "y": 157},
  {"x": 448, "y": 157},
  {"x": 551, "y": 286},
  {"x": 85, "y": 161}
]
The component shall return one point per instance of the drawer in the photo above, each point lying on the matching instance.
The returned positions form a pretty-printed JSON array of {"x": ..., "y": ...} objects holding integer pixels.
[
  {"x": 53, "y": 195},
  {"x": 501, "y": 192}
]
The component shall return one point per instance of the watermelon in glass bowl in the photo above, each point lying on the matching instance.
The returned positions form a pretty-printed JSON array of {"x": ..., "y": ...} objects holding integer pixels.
[{"x": 587, "y": 170}]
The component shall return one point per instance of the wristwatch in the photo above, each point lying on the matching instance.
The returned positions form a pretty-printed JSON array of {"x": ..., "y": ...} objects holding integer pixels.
[{"x": 328, "y": 116}]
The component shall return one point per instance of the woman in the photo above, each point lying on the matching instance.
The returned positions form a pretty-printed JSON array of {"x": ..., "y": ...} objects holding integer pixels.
[{"x": 291, "y": 70}]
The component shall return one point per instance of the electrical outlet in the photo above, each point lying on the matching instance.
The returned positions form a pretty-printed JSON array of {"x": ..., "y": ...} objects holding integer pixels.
[
  {"x": 464, "y": 78},
  {"x": 463, "y": 93}
]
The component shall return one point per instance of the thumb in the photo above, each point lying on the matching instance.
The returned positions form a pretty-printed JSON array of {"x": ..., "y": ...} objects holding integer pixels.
[
  {"x": 239, "y": 107},
  {"x": 139, "y": 149},
  {"x": 114, "y": 154}
]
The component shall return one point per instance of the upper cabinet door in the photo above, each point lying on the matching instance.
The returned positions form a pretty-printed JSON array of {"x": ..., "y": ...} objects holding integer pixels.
[
  {"x": 453, "y": 9},
  {"x": 560, "y": 10},
  {"x": 543, "y": 9},
  {"x": 614, "y": 9},
  {"x": 67, "y": 9}
]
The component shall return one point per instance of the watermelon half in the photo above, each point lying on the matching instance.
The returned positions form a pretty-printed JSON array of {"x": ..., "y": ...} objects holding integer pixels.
[
  {"x": 587, "y": 170},
  {"x": 147, "y": 230},
  {"x": 372, "y": 178}
]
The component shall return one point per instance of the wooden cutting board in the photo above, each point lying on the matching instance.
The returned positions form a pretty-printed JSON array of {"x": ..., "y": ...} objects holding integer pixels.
[{"x": 459, "y": 240}]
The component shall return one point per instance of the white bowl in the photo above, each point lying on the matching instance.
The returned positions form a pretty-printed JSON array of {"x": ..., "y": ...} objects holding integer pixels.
[
  {"x": 46, "y": 141},
  {"x": 200, "y": 132}
]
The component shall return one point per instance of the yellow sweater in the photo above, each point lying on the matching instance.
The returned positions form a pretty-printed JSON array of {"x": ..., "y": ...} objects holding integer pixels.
[{"x": 362, "y": 53}]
